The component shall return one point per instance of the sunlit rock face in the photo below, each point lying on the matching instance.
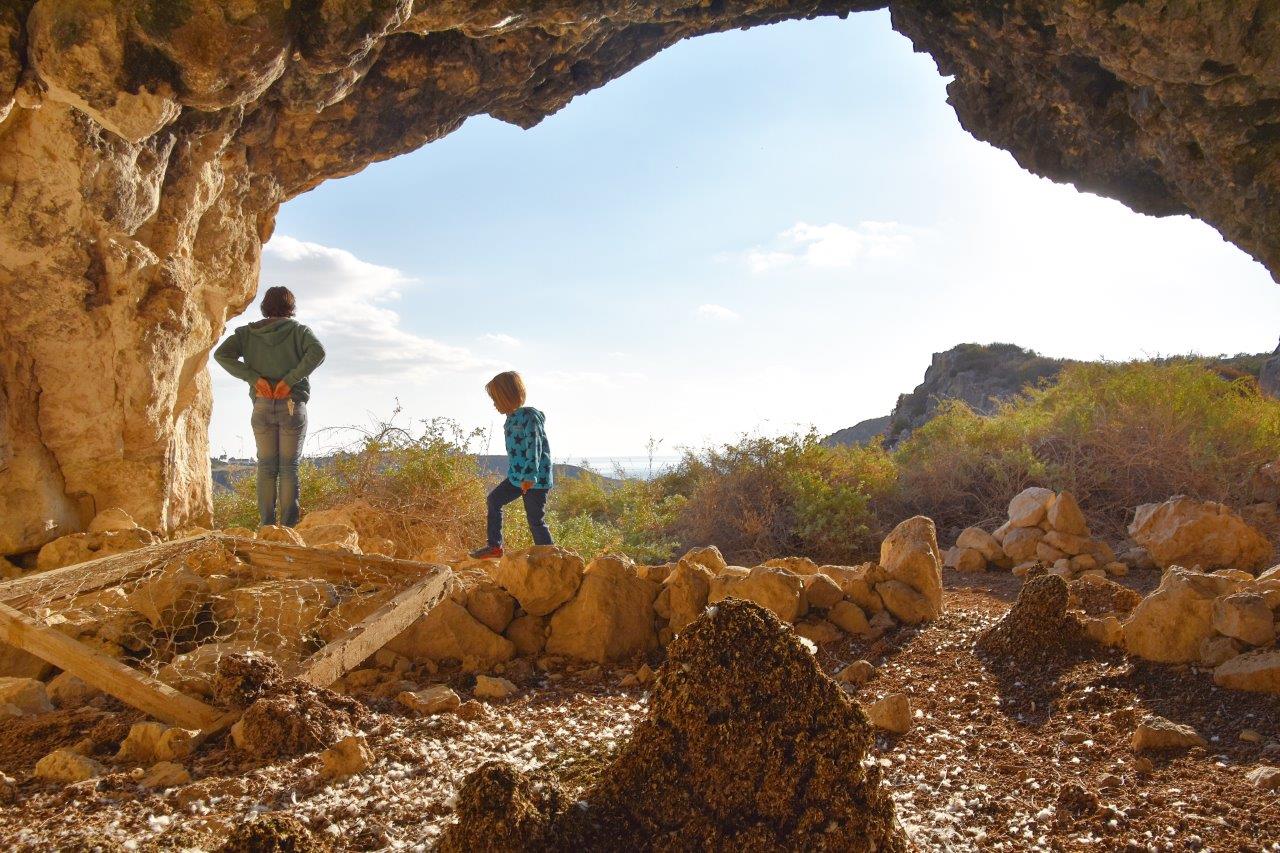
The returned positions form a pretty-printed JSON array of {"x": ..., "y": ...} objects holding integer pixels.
[{"x": 145, "y": 146}]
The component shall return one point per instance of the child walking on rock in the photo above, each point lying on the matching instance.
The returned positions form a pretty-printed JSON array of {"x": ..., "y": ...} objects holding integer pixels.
[{"x": 528, "y": 464}]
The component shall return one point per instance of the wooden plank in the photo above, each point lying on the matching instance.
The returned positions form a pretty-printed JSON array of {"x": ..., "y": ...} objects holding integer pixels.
[
  {"x": 134, "y": 688},
  {"x": 375, "y": 631},
  {"x": 98, "y": 573},
  {"x": 299, "y": 561}
]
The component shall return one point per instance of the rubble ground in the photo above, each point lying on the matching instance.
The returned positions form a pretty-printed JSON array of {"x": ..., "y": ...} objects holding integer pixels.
[{"x": 990, "y": 762}]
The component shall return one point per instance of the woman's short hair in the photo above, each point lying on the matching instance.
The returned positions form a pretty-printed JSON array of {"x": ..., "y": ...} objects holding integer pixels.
[
  {"x": 278, "y": 301},
  {"x": 507, "y": 391}
]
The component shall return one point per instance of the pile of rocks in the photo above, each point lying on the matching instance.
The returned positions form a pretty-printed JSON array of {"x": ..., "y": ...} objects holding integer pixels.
[
  {"x": 1044, "y": 529},
  {"x": 548, "y": 601},
  {"x": 1227, "y": 620}
]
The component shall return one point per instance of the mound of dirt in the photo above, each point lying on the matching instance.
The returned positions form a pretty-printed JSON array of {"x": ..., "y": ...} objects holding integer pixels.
[
  {"x": 747, "y": 745},
  {"x": 1037, "y": 632},
  {"x": 285, "y": 717},
  {"x": 242, "y": 679},
  {"x": 1097, "y": 597},
  {"x": 500, "y": 808},
  {"x": 273, "y": 833}
]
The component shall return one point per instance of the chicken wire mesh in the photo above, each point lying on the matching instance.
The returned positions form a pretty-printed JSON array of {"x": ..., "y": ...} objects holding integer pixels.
[{"x": 175, "y": 611}]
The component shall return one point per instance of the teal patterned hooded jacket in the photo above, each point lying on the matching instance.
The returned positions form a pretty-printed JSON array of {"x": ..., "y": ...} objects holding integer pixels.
[{"x": 528, "y": 453}]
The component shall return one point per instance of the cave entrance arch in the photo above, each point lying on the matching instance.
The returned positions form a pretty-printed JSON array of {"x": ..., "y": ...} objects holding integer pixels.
[{"x": 146, "y": 146}]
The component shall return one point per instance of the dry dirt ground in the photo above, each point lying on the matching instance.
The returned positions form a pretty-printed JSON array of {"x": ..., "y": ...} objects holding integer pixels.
[{"x": 1038, "y": 761}]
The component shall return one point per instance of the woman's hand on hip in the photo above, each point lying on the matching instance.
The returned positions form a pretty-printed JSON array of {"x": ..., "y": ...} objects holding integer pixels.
[
  {"x": 281, "y": 390},
  {"x": 262, "y": 388}
]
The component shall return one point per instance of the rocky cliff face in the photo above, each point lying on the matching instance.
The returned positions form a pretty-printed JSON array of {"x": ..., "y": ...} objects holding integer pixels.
[
  {"x": 981, "y": 375},
  {"x": 145, "y": 146}
]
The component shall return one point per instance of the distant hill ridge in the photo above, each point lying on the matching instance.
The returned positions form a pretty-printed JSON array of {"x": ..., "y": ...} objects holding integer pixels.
[
  {"x": 227, "y": 471},
  {"x": 983, "y": 375}
]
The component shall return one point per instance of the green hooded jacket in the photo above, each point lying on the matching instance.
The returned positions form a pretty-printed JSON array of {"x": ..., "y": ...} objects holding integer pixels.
[{"x": 273, "y": 349}]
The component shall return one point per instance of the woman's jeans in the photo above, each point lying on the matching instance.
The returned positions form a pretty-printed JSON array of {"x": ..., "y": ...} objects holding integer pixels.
[
  {"x": 279, "y": 436},
  {"x": 535, "y": 507}
]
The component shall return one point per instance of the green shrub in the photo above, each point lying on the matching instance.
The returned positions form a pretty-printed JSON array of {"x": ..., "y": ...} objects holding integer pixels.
[
  {"x": 1116, "y": 435},
  {"x": 767, "y": 497}
]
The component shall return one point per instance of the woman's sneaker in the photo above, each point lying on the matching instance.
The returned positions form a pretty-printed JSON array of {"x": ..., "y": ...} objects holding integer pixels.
[{"x": 488, "y": 552}]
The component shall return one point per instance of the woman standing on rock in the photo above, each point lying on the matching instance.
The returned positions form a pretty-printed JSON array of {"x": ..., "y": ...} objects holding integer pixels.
[{"x": 275, "y": 355}]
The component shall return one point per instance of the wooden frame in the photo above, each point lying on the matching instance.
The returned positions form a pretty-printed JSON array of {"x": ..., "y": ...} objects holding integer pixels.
[{"x": 428, "y": 584}]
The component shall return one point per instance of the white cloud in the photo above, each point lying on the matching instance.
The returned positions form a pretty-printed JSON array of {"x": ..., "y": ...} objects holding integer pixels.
[
  {"x": 345, "y": 300},
  {"x": 830, "y": 246},
  {"x": 499, "y": 338},
  {"x": 717, "y": 312}
]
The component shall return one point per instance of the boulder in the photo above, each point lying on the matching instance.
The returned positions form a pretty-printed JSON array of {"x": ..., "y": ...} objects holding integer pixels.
[
  {"x": 170, "y": 600},
  {"x": 277, "y": 614},
  {"x": 858, "y": 672},
  {"x": 776, "y": 590},
  {"x": 709, "y": 557},
  {"x": 81, "y": 547},
  {"x": 435, "y": 699},
  {"x": 347, "y": 757},
  {"x": 449, "y": 632},
  {"x": 67, "y": 767},
  {"x": 1272, "y": 573},
  {"x": 111, "y": 519},
  {"x": 489, "y": 687},
  {"x": 528, "y": 634},
  {"x": 281, "y": 534},
  {"x": 818, "y": 631},
  {"x": 67, "y": 691},
  {"x": 1257, "y": 671},
  {"x": 796, "y": 565},
  {"x": 164, "y": 774},
  {"x": 909, "y": 555},
  {"x": 342, "y": 537},
  {"x": 1189, "y": 532},
  {"x": 1030, "y": 506},
  {"x": 1159, "y": 733},
  {"x": 1215, "y": 651},
  {"x": 1021, "y": 542},
  {"x": 25, "y": 694},
  {"x": 981, "y": 541},
  {"x": 491, "y": 604},
  {"x": 822, "y": 592},
  {"x": 892, "y": 713},
  {"x": 610, "y": 618},
  {"x": 858, "y": 584},
  {"x": 1170, "y": 623},
  {"x": 1246, "y": 617},
  {"x": 542, "y": 578},
  {"x": 149, "y": 742},
  {"x": 905, "y": 603},
  {"x": 1068, "y": 543},
  {"x": 1046, "y": 553},
  {"x": 850, "y": 618},
  {"x": 1105, "y": 631},
  {"x": 1064, "y": 516},
  {"x": 1264, "y": 778},
  {"x": 684, "y": 594},
  {"x": 965, "y": 560},
  {"x": 370, "y": 524}
]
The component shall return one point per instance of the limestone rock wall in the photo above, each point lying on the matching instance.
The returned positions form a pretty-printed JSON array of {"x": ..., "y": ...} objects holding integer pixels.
[{"x": 145, "y": 146}]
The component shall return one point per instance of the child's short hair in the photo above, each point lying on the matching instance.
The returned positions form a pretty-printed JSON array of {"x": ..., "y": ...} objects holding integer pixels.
[{"x": 507, "y": 390}]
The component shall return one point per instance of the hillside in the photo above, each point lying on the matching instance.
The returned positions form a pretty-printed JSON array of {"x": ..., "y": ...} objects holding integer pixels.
[{"x": 984, "y": 375}]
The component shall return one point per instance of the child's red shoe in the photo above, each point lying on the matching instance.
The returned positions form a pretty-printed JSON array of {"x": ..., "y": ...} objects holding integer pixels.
[{"x": 488, "y": 552}]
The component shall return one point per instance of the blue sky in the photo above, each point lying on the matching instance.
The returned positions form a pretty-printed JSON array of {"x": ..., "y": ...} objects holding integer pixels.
[{"x": 755, "y": 231}]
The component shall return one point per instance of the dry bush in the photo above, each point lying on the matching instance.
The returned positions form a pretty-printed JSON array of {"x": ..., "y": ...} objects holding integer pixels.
[{"x": 427, "y": 487}]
